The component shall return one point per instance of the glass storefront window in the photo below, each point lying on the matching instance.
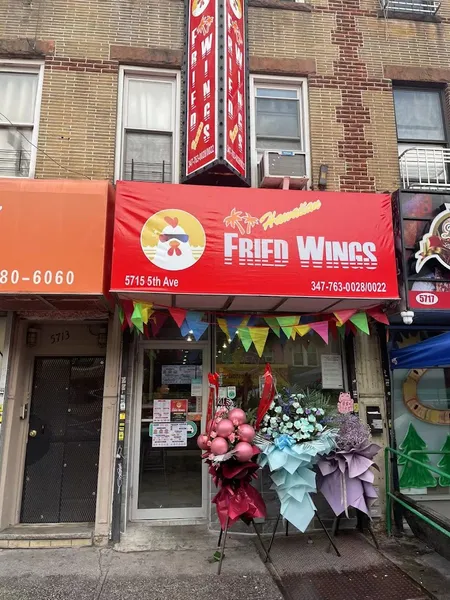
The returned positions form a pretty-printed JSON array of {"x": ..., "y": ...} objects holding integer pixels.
[
  {"x": 418, "y": 395},
  {"x": 296, "y": 364}
]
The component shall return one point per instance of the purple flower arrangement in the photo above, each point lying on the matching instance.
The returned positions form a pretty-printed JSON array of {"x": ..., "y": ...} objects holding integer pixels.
[{"x": 345, "y": 476}]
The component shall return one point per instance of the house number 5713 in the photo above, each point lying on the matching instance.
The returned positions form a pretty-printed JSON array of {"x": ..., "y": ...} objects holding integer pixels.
[{"x": 59, "y": 337}]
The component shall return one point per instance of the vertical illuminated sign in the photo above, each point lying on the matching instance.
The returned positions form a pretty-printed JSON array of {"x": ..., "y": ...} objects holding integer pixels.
[
  {"x": 216, "y": 83},
  {"x": 201, "y": 86}
]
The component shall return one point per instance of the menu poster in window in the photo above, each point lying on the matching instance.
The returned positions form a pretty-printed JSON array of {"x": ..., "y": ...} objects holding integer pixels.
[
  {"x": 178, "y": 434},
  {"x": 169, "y": 435},
  {"x": 178, "y": 374},
  {"x": 160, "y": 435},
  {"x": 161, "y": 411},
  {"x": 196, "y": 387},
  {"x": 332, "y": 376},
  {"x": 178, "y": 411}
]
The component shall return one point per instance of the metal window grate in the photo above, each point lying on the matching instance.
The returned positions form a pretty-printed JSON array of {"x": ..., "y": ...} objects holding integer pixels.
[
  {"x": 423, "y": 7},
  {"x": 142, "y": 171},
  {"x": 14, "y": 163}
]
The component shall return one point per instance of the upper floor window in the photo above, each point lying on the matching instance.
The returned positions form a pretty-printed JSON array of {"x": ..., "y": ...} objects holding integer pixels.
[
  {"x": 148, "y": 127},
  {"x": 19, "y": 118},
  {"x": 422, "y": 138},
  {"x": 279, "y": 121},
  {"x": 419, "y": 116}
]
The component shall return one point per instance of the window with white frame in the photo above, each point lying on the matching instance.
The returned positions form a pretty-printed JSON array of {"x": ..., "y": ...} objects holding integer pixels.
[
  {"x": 148, "y": 135},
  {"x": 279, "y": 118},
  {"x": 421, "y": 135},
  {"x": 19, "y": 118}
]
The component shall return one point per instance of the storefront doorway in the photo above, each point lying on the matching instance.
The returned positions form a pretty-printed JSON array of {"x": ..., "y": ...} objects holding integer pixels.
[
  {"x": 169, "y": 477},
  {"x": 61, "y": 465}
]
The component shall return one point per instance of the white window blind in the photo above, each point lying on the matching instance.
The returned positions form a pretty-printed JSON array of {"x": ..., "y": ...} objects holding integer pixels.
[
  {"x": 148, "y": 129},
  {"x": 18, "y": 96}
]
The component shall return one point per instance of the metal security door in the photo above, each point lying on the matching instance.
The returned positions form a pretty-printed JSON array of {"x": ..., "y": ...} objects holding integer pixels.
[{"x": 61, "y": 465}]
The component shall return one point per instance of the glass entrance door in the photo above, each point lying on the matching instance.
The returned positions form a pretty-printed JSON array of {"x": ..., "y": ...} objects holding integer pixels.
[{"x": 169, "y": 477}]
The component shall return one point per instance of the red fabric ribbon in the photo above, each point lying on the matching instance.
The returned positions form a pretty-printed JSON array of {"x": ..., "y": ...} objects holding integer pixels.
[
  {"x": 237, "y": 498},
  {"x": 267, "y": 396},
  {"x": 213, "y": 379},
  {"x": 244, "y": 503}
]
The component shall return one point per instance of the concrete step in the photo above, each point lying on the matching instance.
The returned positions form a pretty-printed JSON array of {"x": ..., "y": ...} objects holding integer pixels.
[{"x": 47, "y": 536}]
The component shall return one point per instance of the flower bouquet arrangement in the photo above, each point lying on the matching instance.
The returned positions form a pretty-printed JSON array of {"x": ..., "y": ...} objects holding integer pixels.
[
  {"x": 292, "y": 437},
  {"x": 231, "y": 456},
  {"x": 344, "y": 476}
]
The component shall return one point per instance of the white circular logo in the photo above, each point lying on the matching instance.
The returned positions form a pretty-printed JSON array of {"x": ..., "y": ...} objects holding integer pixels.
[
  {"x": 173, "y": 239},
  {"x": 199, "y": 6}
]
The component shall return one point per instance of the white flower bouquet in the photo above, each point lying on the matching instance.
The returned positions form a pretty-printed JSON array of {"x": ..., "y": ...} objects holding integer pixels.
[{"x": 292, "y": 438}]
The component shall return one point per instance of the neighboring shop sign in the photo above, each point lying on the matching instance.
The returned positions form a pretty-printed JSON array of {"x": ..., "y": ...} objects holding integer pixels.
[
  {"x": 216, "y": 88},
  {"x": 54, "y": 236},
  {"x": 425, "y": 249},
  {"x": 229, "y": 244}
]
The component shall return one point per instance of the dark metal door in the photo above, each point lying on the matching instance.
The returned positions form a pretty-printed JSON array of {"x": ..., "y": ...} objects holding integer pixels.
[{"x": 61, "y": 465}]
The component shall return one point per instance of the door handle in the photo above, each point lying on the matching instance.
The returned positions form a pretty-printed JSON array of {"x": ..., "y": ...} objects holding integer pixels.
[{"x": 32, "y": 433}]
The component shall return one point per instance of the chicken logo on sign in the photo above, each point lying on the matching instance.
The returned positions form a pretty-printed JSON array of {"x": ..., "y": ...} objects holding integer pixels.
[{"x": 173, "y": 239}]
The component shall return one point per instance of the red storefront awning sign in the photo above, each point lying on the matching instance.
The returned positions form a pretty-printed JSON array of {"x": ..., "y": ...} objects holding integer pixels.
[{"x": 182, "y": 239}]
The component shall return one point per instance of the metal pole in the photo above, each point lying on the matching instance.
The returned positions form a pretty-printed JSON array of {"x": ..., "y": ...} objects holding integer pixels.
[
  {"x": 118, "y": 471},
  {"x": 388, "y": 491},
  {"x": 222, "y": 550},
  {"x": 273, "y": 534}
]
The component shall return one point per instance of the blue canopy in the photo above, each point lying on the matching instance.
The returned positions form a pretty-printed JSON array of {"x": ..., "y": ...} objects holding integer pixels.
[{"x": 433, "y": 352}]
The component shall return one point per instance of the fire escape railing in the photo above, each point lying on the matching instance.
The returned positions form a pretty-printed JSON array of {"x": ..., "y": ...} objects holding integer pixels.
[{"x": 425, "y": 168}]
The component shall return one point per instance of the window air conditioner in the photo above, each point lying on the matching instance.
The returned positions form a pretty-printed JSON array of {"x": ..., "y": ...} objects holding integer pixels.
[{"x": 276, "y": 166}]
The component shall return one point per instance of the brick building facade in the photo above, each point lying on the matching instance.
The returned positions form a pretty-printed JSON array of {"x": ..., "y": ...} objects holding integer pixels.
[
  {"x": 340, "y": 57},
  {"x": 348, "y": 50}
]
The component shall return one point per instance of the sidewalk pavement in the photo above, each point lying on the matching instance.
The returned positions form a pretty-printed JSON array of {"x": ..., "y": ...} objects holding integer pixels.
[
  {"x": 175, "y": 563},
  {"x": 105, "y": 574}
]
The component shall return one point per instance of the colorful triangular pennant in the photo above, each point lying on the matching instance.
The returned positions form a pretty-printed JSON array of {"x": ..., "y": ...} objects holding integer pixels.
[
  {"x": 273, "y": 324},
  {"x": 136, "y": 317},
  {"x": 321, "y": 327},
  {"x": 195, "y": 323},
  {"x": 302, "y": 329},
  {"x": 287, "y": 324},
  {"x": 378, "y": 315},
  {"x": 343, "y": 315},
  {"x": 157, "y": 320},
  {"x": 360, "y": 321},
  {"x": 259, "y": 337},
  {"x": 178, "y": 315},
  {"x": 245, "y": 337},
  {"x": 146, "y": 311},
  {"x": 221, "y": 322},
  {"x": 233, "y": 323}
]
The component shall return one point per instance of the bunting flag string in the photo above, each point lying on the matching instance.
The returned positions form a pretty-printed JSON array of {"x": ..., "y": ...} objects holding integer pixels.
[{"x": 149, "y": 321}]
